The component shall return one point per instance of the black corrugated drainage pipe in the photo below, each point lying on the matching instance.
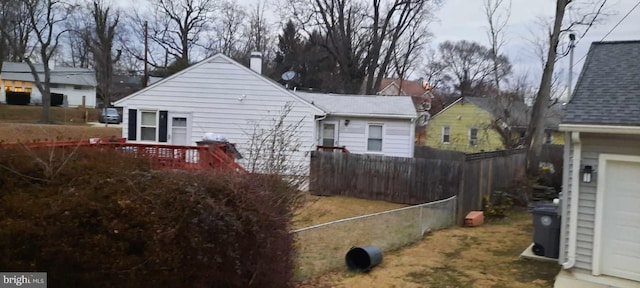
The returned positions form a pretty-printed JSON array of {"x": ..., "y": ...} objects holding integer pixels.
[{"x": 363, "y": 258}]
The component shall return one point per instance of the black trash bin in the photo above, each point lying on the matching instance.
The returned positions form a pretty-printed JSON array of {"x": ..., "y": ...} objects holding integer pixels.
[
  {"x": 363, "y": 258},
  {"x": 546, "y": 231}
]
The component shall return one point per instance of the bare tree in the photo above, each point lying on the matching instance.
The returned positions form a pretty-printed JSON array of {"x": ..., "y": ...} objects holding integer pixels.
[
  {"x": 471, "y": 65},
  {"x": 274, "y": 147},
  {"x": 584, "y": 15},
  {"x": 176, "y": 27},
  {"x": 361, "y": 35},
  {"x": 497, "y": 21},
  {"x": 15, "y": 22},
  {"x": 44, "y": 19},
  {"x": 228, "y": 29},
  {"x": 101, "y": 41},
  {"x": 410, "y": 48}
]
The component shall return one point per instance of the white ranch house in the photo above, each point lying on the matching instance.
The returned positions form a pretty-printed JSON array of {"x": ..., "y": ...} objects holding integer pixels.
[
  {"x": 219, "y": 95},
  {"x": 75, "y": 83}
]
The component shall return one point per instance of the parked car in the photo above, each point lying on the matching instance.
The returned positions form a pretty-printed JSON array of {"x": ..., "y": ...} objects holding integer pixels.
[{"x": 110, "y": 115}]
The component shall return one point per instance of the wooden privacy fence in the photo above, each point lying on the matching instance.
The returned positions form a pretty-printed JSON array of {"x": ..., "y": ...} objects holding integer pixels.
[
  {"x": 393, "y": 179},
  {"x": 436, "y": 175}
]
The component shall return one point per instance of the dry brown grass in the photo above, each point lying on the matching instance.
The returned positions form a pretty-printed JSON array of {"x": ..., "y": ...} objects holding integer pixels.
[
  {"x": 318, "y": 209},
  {"x": 485, "y": 256},
  {"x": 12, "y": 133},
  {"x": 31, "y": 114}
]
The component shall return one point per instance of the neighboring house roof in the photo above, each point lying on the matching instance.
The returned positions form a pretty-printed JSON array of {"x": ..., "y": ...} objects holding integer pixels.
[
  {"x": 223, "y": 58},
  {"x": 608, "y": 90},
  {"x": 362, "y": 105},
  {"x": 406, "y": 87},
  {"x": 59, "y": 75},
  {"x": 519, "y": 113}
]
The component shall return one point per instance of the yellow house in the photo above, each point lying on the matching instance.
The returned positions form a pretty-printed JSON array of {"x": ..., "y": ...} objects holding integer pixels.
[{"x": 468, "y": 125}]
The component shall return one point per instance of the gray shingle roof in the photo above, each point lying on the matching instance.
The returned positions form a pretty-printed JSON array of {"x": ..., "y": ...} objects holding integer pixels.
[
  {"x": 363, "y": 105},
  {"x": 608, "y": 90},
  {"x": 518, "y": 112},
  {"x": 59, "y": 75}
]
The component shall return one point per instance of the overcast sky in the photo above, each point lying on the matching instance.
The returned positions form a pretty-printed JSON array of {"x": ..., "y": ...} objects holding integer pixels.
[{"x": 465, "y": 19}]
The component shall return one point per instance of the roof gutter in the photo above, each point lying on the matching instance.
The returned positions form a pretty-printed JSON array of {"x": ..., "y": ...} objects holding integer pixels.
[
  {"x": 388, "y": 116},
  {"x": 604, "y": 129},
  {"x": 575, "y": 197}
]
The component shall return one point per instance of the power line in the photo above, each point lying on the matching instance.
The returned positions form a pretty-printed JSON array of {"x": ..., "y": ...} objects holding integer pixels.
[{"x": 614, "y": 28}]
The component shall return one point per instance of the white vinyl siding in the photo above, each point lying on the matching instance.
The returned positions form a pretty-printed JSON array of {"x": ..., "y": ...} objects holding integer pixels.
[
  {"x": 228, "y": 100},
  {"x": 592, "y": 146},
  {"x": 397, "y": 138}
]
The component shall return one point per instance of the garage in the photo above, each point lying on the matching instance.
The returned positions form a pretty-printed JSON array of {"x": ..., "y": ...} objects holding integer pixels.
[{"x": 620, "y": 232}]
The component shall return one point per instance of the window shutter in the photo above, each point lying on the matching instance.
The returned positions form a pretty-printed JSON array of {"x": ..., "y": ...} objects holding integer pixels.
[
  {"x": 133, "y": 124},
  {"x": 162, "y": 135}
]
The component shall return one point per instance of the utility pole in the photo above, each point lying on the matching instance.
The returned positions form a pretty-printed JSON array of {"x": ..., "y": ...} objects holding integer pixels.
[
  {"x": 572, "y": 45},
  {"x": 145, "y": 77}
]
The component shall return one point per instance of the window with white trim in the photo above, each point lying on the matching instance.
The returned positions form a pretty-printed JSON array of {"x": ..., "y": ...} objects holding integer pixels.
[
  {"x": 446, "y": 135},
  {"x": 148, "y": 125},
  {"x": 473, "y": 136},
  {"x": 374, "y": 138}
]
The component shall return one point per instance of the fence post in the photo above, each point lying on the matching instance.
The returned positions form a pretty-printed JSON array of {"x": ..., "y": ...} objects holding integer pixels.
[{"x": 461, "y": 194}]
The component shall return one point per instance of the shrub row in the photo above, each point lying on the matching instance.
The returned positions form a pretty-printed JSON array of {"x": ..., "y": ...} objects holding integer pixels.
[{"x": 103, "y": 219}]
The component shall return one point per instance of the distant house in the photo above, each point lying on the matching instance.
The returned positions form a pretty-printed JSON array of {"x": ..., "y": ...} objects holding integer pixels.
[
  {"x": 219, "y": 95},
  {"x": 600, "y": 231},
  {"x": 74, "y": 83},
  {"x": 469, "y": 125},
  {"x": 421, "y": 95},
  {"x": 365, "y": 123}
]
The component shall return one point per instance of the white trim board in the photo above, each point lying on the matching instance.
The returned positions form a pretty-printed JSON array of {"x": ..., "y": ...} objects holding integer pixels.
[
  {"x": 606, "y": 129},
  {"x": 600, "y": 198}
]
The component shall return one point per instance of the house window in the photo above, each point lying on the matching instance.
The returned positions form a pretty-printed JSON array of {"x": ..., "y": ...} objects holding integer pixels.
[
  {"x": 374, "y": 138},
  {"x": 8, "y": 85},
  {"x": 446, "y": 135},
  {"x": 17, "y": 86},
  {"x": 328, "y": 134},
  {"x": 473, "y": 136},
  {"x": 548, "y": 138},
  {"x": 78, "y": 87},
  {"x": 148, "y": 125},
  {"x": 54, "y": 85}
]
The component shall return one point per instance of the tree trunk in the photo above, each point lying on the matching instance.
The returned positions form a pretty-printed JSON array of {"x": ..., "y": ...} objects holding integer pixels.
[{"x": 536, "y": 128}]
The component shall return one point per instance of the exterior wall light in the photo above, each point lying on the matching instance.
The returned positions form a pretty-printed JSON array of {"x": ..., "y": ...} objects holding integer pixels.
[{"x": 587, "y": 174}]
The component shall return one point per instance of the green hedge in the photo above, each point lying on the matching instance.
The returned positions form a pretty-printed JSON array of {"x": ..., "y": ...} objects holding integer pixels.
[
  {"x": 18, "y": 98},
  {"x": 94, "y": 218}
]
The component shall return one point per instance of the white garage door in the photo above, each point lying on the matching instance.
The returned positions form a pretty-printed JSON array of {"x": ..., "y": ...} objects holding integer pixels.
[{"x": 621, "y": 220}]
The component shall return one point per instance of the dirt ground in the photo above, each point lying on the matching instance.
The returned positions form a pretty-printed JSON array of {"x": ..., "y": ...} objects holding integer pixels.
[
  {"x": 485, "y": 256},
  {"x": 11, "y": 133},
  {"x": 318, "y": 210}
]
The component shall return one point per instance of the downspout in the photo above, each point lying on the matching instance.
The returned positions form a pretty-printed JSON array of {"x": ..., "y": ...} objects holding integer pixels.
[
  {"x": 413, "y": 138},
  {"x": 575, "y": 197}
]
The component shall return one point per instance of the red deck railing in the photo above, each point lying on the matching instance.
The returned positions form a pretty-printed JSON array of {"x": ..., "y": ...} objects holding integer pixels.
[
  {"x": 332, "y": 148},
  {"x": 162, "y": 156}
]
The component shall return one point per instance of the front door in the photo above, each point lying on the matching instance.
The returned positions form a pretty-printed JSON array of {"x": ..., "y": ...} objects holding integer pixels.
[
  {"x": 329, "y": 134},
  {"x": 179, "y": 130}
]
